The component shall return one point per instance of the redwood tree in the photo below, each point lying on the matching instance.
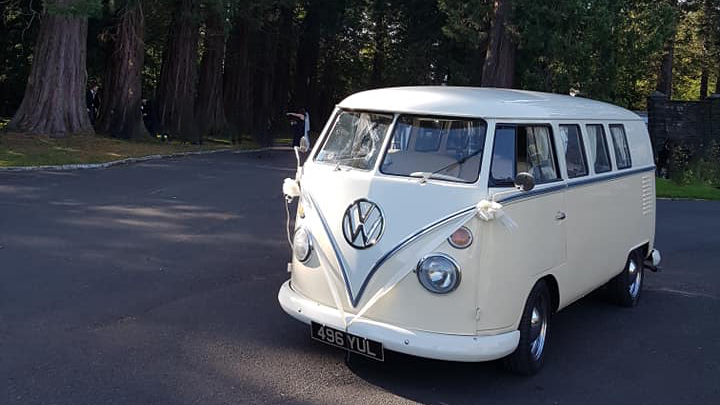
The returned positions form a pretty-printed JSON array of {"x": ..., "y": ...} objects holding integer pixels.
[
  {"x": 120, "y": 110},
  {"x": 210, "y": 106},
  {"x": 176, "y": 87},
  {"x": 54, "y": 101},
  {"x": 499, "y": 65},
  {"x": 237, "y": 84}
]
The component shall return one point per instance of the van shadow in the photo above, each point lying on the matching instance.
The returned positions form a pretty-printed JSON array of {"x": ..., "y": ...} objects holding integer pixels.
[{"x": 569, "y": 362}]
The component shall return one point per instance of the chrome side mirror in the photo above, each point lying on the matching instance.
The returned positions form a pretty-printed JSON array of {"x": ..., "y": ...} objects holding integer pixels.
[
  {"x": 525, "y": 181},
  {"x": 304, "y": 145}
]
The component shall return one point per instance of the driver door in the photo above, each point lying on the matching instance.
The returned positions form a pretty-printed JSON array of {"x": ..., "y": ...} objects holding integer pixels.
[{"x": 539, "y": 213}]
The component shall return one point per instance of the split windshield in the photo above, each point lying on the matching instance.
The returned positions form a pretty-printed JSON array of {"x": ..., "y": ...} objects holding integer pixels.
[
  {"x": 420, "y": 146},
  {"x": 436, "y": 148},
  {"x": 355, "y": 139}
]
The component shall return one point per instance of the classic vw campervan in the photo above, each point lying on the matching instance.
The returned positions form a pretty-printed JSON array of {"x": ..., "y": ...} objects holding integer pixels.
[{"x": 451, "y": 223}]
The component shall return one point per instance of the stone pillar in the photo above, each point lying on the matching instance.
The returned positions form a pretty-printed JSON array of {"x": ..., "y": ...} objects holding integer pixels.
[
  {"x": 714, "y": 122},
  {"x": 656, "y": 104}
]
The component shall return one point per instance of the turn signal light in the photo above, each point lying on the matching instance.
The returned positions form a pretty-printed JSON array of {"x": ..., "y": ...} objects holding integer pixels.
[{"x": 461, "y": 238}]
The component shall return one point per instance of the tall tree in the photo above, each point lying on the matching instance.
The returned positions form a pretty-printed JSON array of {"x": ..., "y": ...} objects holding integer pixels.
[
  {"x": 54, "y": 101},
  {"x": 665, "y": 75},
  {"x": 236, "y": 79},
  {"x": 380, "y": 39},
  {"x": 120, "y": 109},
  {"x": 308, "y": 56},
  {"x": 499, "y": 67},
  {"x": 467, "y": 23},
  {"x": 210, "y": 106},
  {"x": 176, "y": 88},
  {"x": 285, "y": 52}
]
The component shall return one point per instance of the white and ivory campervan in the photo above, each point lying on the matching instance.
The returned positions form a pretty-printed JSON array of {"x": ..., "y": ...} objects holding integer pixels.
[{"x": 451, "y": 223}]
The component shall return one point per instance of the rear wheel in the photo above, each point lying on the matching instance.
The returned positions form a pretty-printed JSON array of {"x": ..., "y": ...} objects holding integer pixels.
[
  {"x": 528, "y": 357},
  {"x": 625, "y": 288}
]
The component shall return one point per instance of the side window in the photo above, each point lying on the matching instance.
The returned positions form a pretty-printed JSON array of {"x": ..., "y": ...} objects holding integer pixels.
[
  {"x": 597, "y": 148},
  {"x": 622, "y": 151},
  {"x": 574, "y": 152},
  {"x": 523, "y": 148},
  {"x": 502, "y": 172}
]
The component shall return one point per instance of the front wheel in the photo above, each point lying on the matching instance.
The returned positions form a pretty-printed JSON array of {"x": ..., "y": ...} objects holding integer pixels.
[
  {"x": 528, "y": 357},
  {"x": 625, "y": 288}
]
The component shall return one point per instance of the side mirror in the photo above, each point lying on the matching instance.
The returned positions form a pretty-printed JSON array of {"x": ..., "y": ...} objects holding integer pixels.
[
  {"x": 524, "y": 181},
  {"x": 304, "y": 145}
]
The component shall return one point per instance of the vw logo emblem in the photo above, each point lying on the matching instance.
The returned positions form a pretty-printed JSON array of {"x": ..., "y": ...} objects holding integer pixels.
[{"x": 363, "y": 224}]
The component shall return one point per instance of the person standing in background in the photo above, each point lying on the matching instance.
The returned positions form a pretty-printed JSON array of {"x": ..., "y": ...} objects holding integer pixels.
[
  {"x": 92, "y": 100},
  {"x": 301, "y": 126}
]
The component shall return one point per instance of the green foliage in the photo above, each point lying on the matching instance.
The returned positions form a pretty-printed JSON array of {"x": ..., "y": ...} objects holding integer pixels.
[
  {"x": 603, "y": 49},
  {"x": 606, "y": 50},
  {"x": 701, "y": 166},
  {"x": 18, "y": 30},
  {"x": 669, "y": 189},
  {"x": 74, "y": 8}
]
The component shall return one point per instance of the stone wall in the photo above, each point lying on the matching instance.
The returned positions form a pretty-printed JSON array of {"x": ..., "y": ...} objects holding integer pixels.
[{"x": 691, "y": 125}]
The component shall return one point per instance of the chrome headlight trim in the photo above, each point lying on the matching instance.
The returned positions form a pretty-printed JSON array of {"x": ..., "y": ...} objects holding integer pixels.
[
  {"x": 306, "y": 243},
  {"x": 422, "y": 273}
]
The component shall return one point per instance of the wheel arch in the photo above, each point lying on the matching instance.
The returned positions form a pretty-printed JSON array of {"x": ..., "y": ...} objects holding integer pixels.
[{"x": 554, "y": 290}]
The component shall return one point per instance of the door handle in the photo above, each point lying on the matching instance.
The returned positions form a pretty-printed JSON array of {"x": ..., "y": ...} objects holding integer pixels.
[{"x": 560, "y": 216}]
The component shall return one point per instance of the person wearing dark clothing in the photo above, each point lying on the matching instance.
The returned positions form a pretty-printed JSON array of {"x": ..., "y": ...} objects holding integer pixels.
[
  {"x": 299, "y": 122},
  {"x": 92, "y": 100}
]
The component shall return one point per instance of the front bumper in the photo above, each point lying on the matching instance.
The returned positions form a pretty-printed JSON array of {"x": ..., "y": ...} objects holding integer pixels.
[{"x": 469, "y": 348}]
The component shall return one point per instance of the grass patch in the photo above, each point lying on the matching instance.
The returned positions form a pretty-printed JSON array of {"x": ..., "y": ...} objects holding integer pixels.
[
  {"x": 669, "y": 189},
  {"x": 26, "y": 150}
]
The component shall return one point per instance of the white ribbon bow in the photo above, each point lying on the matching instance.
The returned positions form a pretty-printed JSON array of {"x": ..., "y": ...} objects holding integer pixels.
[
  {"x": 291, "y": 188},
  {"x": 490, "y": 210}
]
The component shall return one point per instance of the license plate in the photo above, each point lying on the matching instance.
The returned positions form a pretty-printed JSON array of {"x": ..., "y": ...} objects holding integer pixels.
[{"x": 347, "y": 341}]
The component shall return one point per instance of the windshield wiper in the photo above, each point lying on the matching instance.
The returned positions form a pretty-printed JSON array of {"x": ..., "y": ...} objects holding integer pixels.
[
  {"x": 426, "y": 175},
  {"x": 436, "y": 173},
  {"x": 342, "y": 162}
]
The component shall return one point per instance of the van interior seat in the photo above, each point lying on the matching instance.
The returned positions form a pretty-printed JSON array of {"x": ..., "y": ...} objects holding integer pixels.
[{"x": 406, "y": 162}]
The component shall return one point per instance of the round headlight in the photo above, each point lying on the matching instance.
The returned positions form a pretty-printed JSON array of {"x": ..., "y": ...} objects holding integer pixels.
[
  {"x": 301, "y": 244},
  {"x": 438, "y": 273}
]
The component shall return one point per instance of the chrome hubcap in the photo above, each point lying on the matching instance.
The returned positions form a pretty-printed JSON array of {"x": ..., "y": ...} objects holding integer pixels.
[
  {"x": 635, "y": 275},
  {"x": 538, "y": 330}
]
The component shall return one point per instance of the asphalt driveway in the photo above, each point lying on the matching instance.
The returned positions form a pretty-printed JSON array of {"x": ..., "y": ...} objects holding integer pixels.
[{"x": 156, "y": 283}]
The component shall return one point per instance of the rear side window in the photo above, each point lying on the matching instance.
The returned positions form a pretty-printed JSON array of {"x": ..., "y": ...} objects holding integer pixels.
[
  {"x": 597, "y": 148},
  {"x": 523, "y": 148},
  {"x": 574, "y": 151},
  {"x": 622, "y": 151}
]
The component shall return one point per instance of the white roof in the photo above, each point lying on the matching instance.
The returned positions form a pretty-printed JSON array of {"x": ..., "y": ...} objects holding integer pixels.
[{"x": 484, "y": 103}]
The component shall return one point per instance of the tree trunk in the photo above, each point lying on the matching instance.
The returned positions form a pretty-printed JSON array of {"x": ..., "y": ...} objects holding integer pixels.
[
  {"x": 704, "y": 77},
  {"x": 499, "y": 64},
  {"x": 54, "y": 101},
  {"x": 307, "y": 60},
  {"x": 666, "y": 69},
  {"x": 210, "y": 108},
  {"x": 264, "y": 56},
  {"x": 120, "y": 109},
  {"x": 281, "y": 85},
  {"x": 380, "y": 39},
  {"x": 176, "y": 87},
  {"x": 717, "y": 82},
  {"x": 237, "y": 81}
]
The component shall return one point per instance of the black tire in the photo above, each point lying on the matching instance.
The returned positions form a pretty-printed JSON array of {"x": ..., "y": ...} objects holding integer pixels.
[
  {"x": 529, "y": 356},
  {"x": 625, "y": 289}
]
